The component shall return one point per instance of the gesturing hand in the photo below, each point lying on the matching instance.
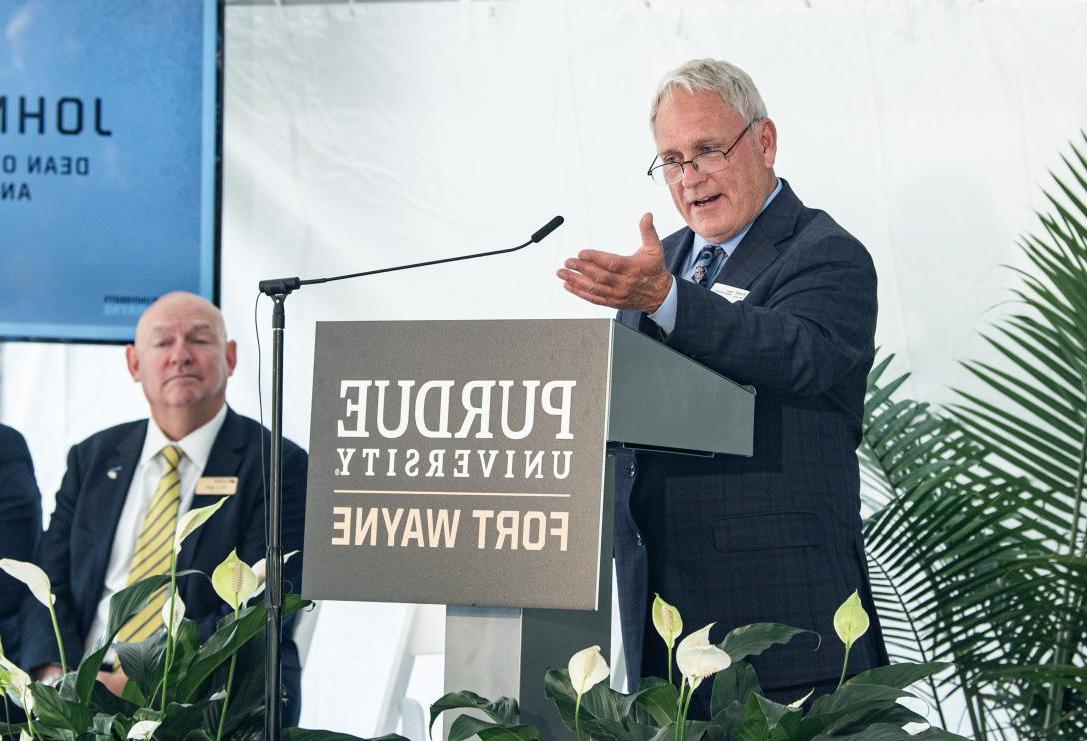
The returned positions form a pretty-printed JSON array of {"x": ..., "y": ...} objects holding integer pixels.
[{"x": 640, "y": 281}]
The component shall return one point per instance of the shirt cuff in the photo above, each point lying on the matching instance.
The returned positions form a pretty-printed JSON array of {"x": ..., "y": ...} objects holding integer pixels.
[{"x": 665, "y": 315}]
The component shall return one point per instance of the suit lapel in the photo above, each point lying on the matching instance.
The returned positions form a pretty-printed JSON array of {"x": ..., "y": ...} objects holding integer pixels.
[
  {"x": 123, "y": 462},
  {"x": 106, "y": 497},
  {"x": 225, "y": 460},
  {"x": 760, "y": 246}
]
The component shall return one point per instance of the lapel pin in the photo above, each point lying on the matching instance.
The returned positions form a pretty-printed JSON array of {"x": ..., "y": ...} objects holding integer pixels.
[{"x": 112, "y": 473}]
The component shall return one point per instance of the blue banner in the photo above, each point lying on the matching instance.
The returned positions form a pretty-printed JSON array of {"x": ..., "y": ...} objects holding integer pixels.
[{"x": 108, "y": 143}]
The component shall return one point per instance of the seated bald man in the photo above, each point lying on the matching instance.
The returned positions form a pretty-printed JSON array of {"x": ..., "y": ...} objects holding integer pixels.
[{"x": 111, "y": 516}]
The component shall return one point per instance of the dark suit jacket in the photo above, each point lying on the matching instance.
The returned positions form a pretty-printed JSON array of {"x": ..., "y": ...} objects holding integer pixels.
[
  {"x": 76, "y": 548},
  {"x": 775, "y": 537},
  {"x": 20, "y": 529}
]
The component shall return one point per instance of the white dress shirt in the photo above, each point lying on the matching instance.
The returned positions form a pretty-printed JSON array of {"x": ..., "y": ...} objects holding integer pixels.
[{"x": 196, "y": 447}]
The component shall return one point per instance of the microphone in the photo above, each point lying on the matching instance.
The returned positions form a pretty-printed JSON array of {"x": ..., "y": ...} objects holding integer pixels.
[
  {"x": 284, "y": 286},
  {"x": 546, "y": 229}
]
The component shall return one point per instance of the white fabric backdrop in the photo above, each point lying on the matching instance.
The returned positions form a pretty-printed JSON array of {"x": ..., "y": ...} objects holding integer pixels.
[{"x": 364, "y": 135}]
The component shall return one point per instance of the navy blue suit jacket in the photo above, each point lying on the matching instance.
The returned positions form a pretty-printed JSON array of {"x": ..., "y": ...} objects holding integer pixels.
[
  {"x": 76, "y": 548},
  {"x": 20, "y": 529},
  {"x": 775, "y": 537}
]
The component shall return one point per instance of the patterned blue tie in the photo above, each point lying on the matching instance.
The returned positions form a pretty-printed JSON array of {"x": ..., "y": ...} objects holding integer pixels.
[{"x": 701, "y": 273}]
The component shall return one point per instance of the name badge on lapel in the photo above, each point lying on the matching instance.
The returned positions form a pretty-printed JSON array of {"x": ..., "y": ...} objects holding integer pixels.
[
  {"x": 218, "y": 486},
  {"x": 730, "y": 293}
]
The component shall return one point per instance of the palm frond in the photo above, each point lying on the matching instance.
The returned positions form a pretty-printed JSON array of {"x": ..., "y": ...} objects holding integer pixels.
[{"x": 979, "y": 554}]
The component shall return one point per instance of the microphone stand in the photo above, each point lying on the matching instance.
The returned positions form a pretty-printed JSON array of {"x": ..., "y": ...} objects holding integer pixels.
[{"x": 278, "y": 289}]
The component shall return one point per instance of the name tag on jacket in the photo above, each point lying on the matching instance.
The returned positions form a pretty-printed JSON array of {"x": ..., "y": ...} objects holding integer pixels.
[
  {"x": 731, "y": 293},
  {"x": 217, "y": 485}
]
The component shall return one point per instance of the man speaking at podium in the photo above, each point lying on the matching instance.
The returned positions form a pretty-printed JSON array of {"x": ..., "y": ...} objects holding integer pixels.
[
  {"x": 126, "y": 487},
  {"x": 769, "y": 293}
]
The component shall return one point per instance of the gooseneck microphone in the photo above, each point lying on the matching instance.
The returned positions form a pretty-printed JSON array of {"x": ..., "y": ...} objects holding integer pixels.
[
  {"x": 546, "y": 229},
  {"x": 278, "y": 289},
  {"x": 283, "y": 286}
]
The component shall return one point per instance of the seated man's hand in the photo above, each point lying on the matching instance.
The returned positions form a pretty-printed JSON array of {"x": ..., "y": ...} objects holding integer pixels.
[
  {"x": 640, "y": 281},
  {"x": 46, "y": 673},
  {"x": 115, "y": 681}
]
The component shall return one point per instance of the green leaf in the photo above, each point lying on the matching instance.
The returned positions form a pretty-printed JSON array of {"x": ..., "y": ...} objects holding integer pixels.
[
  {"x": 855, "y": 707},
  {"x": 182, "y": 720},
  {"x": 874, "y": 732},
  {"x": 657, "y": 700},
  {"x": 557, "y": 686},
  {"x": 752, "y": 640},
  {"x": 696, "y": 730},
  {"x": 765, "y": 720},
  {"x": 186, "y": 647},
  {"x": 131, "y": 694},
  {"x": 304, "y": 734},
  {"x": 733, "y": 685},
  {"x": 102, "y": 725},
  {"x": 122, "y": 607},
  {"x": 601, "y": 702},
  {"x": 899, "y": 675},
  {"x": 230, "y": 635},
  {"x": 106, "y": 703},
  {"x": 937, "y": 734},
  {"x": 466, "y": 726},
  {"x": 144, "y": 662},
  {"x": 502, "y": 710},
  {"x": 891, "y": 732},
  {"x": 602, "y": 708},
  {"x": 853, "y": 695},
  {"x": 129, "y": 601},
  {"x": 245, "y": 715},
  {"x": 57, "y": 713}
]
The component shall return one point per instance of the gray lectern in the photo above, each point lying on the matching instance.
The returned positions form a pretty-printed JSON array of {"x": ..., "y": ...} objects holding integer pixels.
[{"x": 465, "y": 463}]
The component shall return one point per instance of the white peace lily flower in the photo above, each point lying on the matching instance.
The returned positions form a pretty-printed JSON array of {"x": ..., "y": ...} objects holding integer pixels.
[
  {"x": 24, "y": 736},
  {"x": 33, "y": 576},
  {"x": 233, "y": 580},
  {"x": 261, "y": 571},
  {"x": 19, "y": 683},
  {"x": 851, "y": 621},
  {"x": 667, "y": 621},
  {"x": 587, "y": 667},
  {"x": 193, "y": 519},
  {"x": 179, "y": 614},
  {"x": 698, "y": 658},
  {"x": 802, "y": 700},
  {"x": 143, "y": 729}
]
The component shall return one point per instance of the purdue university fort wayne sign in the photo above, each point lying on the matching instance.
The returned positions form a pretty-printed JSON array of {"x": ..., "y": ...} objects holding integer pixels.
[{"x": 457, "y": 462}]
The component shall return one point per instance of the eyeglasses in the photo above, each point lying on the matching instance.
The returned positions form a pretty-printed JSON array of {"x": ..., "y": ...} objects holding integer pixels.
[{"x": 715, "y": 160}]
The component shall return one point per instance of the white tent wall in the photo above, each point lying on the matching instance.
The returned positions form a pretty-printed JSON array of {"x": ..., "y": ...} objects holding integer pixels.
[{"x": 362, "y": 135}]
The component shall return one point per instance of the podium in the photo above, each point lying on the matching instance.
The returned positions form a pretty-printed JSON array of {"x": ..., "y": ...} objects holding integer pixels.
[{"x": 467, "y": 463}]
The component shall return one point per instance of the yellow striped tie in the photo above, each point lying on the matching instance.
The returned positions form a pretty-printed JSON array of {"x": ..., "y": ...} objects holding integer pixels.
[{"x": 154, "y": 547}]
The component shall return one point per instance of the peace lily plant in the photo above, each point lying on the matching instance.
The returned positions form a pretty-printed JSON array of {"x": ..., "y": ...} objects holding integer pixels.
[
  {"x": 864, "y": 707},
  {"x": 178, "y": 689},
  {"x": 669, "y": 626}
]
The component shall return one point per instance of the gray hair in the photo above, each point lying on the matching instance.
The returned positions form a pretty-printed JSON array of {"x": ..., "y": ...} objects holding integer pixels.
[{"x": 727, "y": 80}]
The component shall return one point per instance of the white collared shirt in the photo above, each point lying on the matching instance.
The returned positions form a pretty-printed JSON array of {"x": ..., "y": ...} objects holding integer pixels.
[{"x": 196, "y": 448}]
